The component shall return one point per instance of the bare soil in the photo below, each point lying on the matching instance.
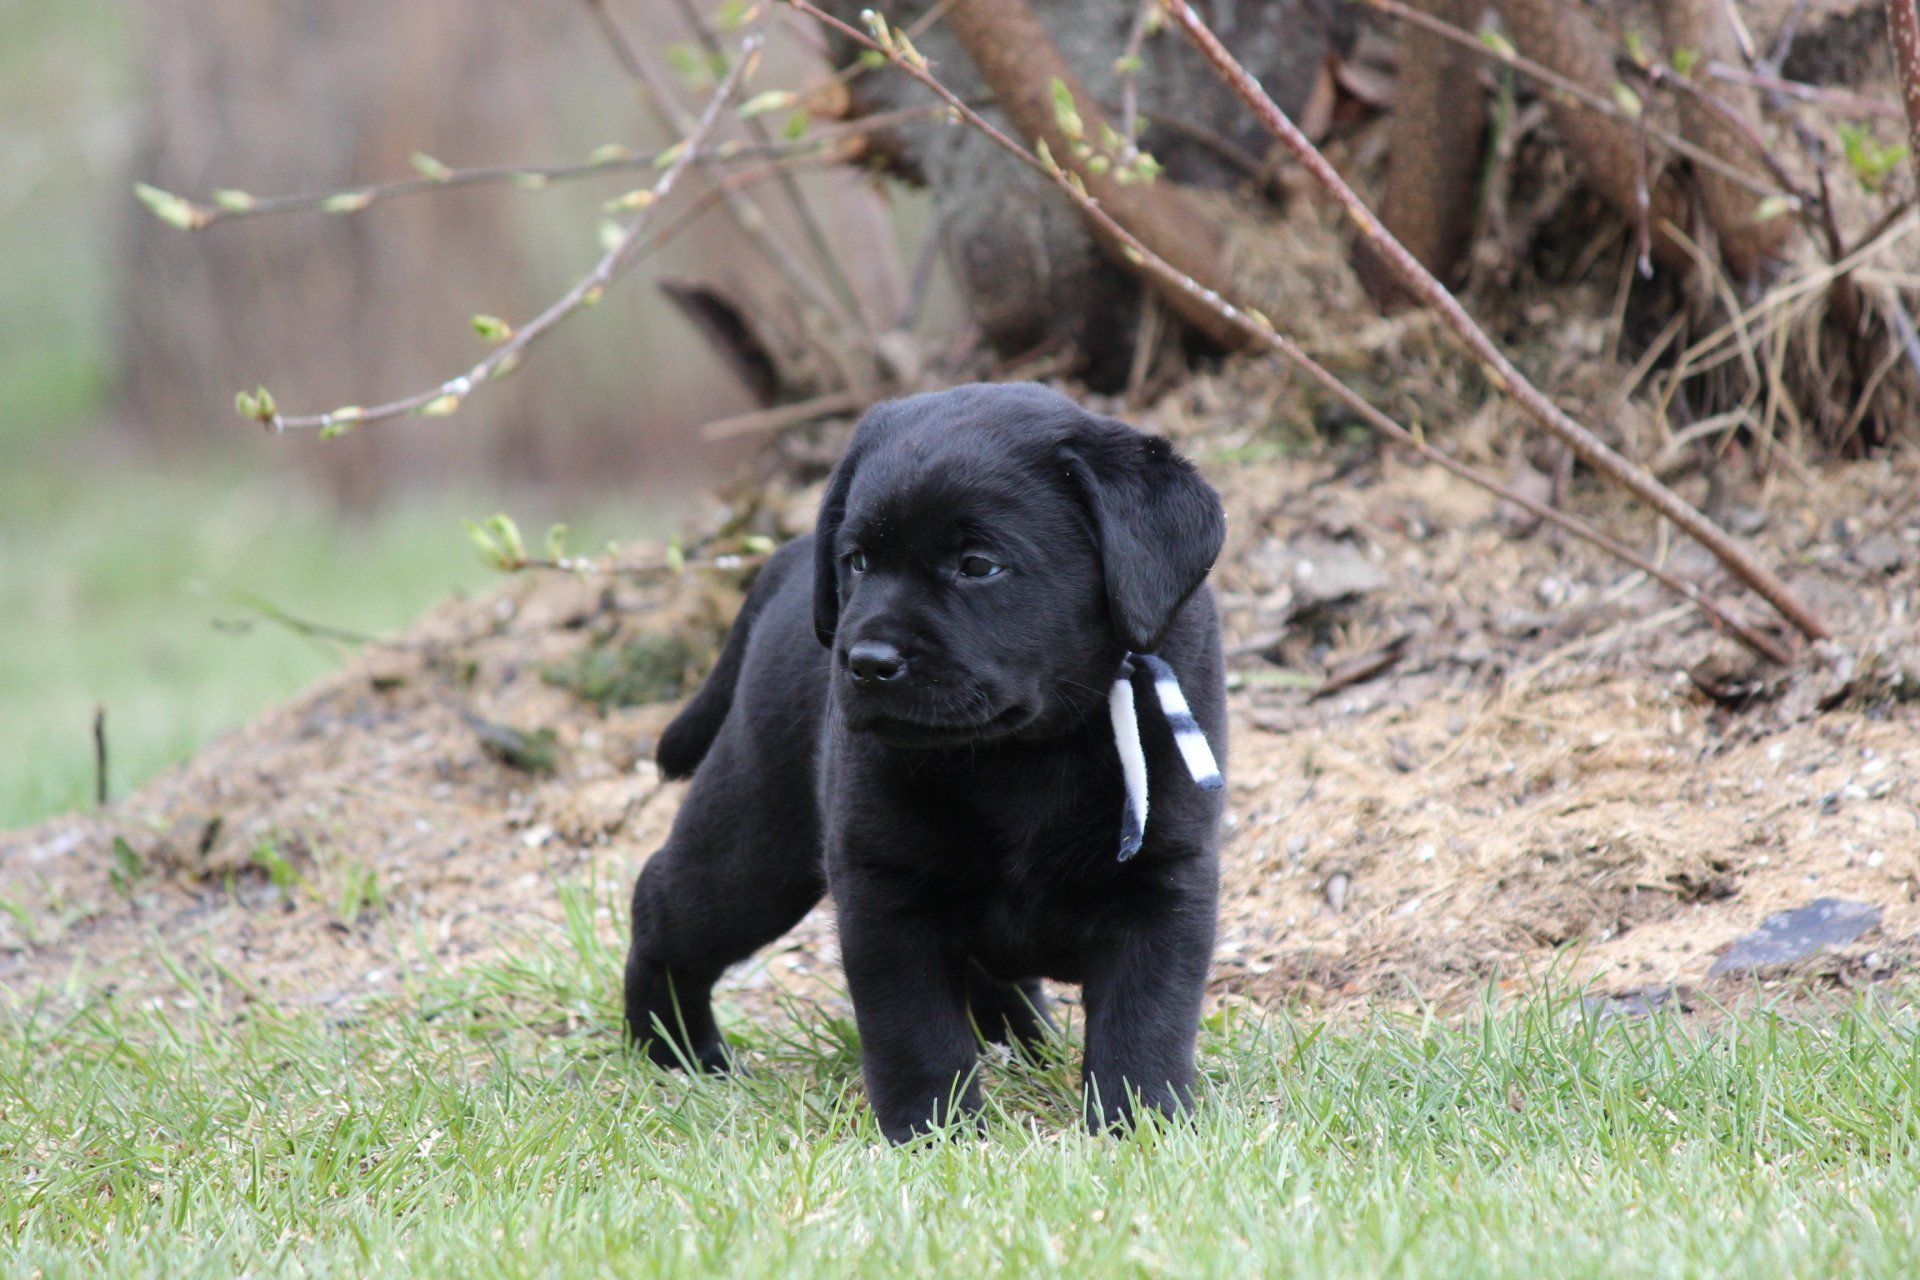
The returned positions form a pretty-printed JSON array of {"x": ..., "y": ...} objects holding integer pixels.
[{"x": 1529, "y": 763}]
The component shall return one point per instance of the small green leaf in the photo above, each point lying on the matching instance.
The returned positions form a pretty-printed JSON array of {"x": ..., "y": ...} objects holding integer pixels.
[
  {"x": 1685, "y": 60},
  {"x": 676, "y": 557},
  {"x": 1637, "y": 48},
  {"x": 771, "y": 100},
  {"x": 630, "y": 202},
  {"x": 557, "y": 542},
  {"x": 341, "y": 421},
  {"x": 1770, "y": 208},
  {"x": 796, "y": 127},
  {"x": 502, "y": 527},
  {"x": 695, "y": 68},
  {"x": 610, "y": 153},
  {"x": 1870, "y": 159},
  {"x": 427, "y": 167},
  {"x": 611, "y": 234},
  {"x": 233, "y": 201},
  {"x": 1627, "y": 100},
  {"x": 256, "y": 405},
  {"x": 347, "y": 202},
  {"x": 440, "y": 406},
  {"x": 532, "y": 181},
  {"x": 671, "y": 156},
  {"x": 1065, "y": 115},
  {"x": 1128, "y": 64},
  {"x": 484, "y": 542},
  {"x": 491, "y": 328},
  {"x": 1498, "y": 44},
  {"x": 176, "y": 211}
]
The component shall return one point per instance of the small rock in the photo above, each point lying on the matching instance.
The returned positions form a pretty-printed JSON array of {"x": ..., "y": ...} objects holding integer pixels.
[
  {"x": 1787, "y": 936},
  {"x": 1530, "y": 482},
  {"x": 1882, "y": 553},
  {"x": 1636, "y": 1002}
]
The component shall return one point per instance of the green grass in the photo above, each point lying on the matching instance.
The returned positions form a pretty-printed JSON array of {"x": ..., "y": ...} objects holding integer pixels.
[
  {"x": 131, "y": 590},
  {"x": 490, "y": 1124}
]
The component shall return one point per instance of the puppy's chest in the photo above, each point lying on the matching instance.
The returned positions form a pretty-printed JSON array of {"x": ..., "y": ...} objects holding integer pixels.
[{"x": 1021, "y": 873}]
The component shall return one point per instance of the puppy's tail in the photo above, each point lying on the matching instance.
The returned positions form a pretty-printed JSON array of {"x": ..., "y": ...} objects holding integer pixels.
[{"x": 684, "y": 744}]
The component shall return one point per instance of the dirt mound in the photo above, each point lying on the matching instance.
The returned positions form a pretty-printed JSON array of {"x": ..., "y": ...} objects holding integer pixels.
[{"x": 1463, "y": 753}]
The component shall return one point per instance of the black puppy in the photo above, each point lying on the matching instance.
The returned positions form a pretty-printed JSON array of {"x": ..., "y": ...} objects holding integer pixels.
[{"x": 912, "y": 712}]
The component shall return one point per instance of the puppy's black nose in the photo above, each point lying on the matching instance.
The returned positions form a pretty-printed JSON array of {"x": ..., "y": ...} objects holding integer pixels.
[{"x": 875, "y": 661}]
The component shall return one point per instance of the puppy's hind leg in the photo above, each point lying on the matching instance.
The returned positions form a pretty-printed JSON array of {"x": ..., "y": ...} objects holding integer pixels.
[
  {"x": 1011, "y": 1013},
  {"x": 699, "y": 907}
]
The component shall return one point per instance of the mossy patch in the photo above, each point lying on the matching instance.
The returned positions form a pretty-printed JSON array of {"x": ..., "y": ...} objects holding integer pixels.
[{"x": 643, "y": 670}]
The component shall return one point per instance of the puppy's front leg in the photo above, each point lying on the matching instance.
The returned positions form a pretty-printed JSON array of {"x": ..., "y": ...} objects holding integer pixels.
[
  {"x": 1143, "y": 1005},
  {"x": 917, "y": 1049}
]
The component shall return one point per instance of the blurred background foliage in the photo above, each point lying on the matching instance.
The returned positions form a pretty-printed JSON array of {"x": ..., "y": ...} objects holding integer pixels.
[{"x": 137, "y": 514}]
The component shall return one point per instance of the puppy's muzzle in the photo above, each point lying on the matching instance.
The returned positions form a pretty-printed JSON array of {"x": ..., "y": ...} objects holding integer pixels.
[{"x": 875, "y": 662}]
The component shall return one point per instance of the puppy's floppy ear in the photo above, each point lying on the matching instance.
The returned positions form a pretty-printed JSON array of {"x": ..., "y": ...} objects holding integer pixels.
[
  {"x": 826, "y": 529},
  {"x": 1159, "y": 526}
]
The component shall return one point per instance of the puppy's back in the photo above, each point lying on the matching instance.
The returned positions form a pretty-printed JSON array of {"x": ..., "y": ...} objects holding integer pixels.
[{"x": 686, "y": 741}]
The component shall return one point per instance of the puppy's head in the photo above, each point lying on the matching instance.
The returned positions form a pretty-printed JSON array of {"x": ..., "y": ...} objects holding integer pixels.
[{"x": 985, "y": 556}]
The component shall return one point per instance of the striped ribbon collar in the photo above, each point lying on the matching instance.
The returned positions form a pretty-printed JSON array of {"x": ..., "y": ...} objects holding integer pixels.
[{"x": 1194, "y": 750}]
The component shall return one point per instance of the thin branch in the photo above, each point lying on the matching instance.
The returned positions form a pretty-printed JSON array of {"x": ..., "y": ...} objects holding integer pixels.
[
  {"x": 233, "y": 206},
  {"x": 1128, "y": 69},
  {"x": 746, "y": 215},
  {"x": 1599, "y": 104},
  {"x": 447, "y": 397},
  {"x": 1903, "y": 32},
  {"x": 666, "y": 567},
  {"x": 1837, "y": 101},
  {"x": 1738, "y": 559},
  {"x": 1259, "y": 331},
  {"x": 803, "y": 210},
  {"x": 1662, "y": 77}
]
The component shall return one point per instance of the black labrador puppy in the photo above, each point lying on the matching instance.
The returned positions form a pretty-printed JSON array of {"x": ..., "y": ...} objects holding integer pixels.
[{"x": 916, "y": 711}]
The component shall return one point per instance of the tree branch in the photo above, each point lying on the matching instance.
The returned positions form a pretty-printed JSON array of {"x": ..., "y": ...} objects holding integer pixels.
[
  {"x": 747, "y": 215},
  {"x": 1738, "y": 559},
  {"x": 1903, "y": 32},
  {"x": 1259, "y": 331},
  {"x": 802, "y": 207},
  {"x": 234, "y": 206},
  {"x": 446, "y": 398}
]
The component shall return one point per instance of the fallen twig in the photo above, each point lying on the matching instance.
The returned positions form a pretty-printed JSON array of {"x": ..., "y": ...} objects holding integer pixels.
[
  {"x": 1260, "y": 331},
  {"x": 782, "y": 416},
  {"x": 1738, "y": 559}
]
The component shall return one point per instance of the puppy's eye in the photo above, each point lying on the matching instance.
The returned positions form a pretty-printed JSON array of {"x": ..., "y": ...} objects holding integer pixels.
[
  {"x": 857, "y": 562},
  {"x": 979, "y": 567}
]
